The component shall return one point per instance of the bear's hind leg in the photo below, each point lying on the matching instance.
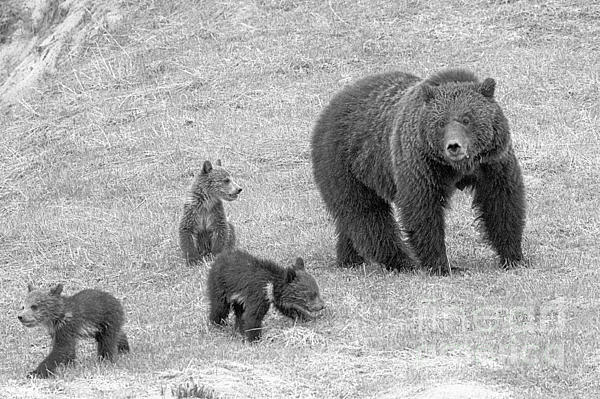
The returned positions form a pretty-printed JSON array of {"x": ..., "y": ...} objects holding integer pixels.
[
  {"x": 346, "y": 253},
  {"x": 107, "y": 343},
  {"x": 368, "y": 221}
]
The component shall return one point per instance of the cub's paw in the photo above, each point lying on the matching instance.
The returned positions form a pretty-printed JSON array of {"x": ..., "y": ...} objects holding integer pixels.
[{"x": 38, "y": 373}]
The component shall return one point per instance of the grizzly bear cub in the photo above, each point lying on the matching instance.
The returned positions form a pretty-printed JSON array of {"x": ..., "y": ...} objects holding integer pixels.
[
  {"x": 204, "y": 228},
  {"x": 89, "y": 313},
  {"x": 250, "y": 285}
]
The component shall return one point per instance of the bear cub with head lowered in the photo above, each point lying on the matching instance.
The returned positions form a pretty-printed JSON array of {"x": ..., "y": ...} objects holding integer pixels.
[
  {"x": 250, "y": 285},
  {"x": 89, "y": 313},
  {"x": 204, "y": 228}
]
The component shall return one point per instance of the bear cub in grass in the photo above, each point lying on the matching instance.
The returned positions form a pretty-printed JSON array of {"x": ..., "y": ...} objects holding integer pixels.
[
  {"x": 204, "y": 228},
  {"x": 88, "y": 314},
  {"x": 395, "y": 138},
  {"x": 250, "y": 285}
]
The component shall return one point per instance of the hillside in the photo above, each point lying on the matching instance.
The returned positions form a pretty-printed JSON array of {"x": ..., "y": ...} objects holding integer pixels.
[{"x": 108, "y": 108}]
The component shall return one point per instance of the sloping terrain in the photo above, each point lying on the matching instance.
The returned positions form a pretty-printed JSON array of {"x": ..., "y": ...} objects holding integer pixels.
[{"x": 54, "y": 30}]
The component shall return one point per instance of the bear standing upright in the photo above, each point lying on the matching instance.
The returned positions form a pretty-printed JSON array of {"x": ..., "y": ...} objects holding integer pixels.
[
  {"x": 204, "y": 228},
  {"x": 396, "y": 138}
]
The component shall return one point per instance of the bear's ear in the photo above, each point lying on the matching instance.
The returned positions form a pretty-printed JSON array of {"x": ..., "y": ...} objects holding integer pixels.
[
  {"x": 218, "y": 163},
  {"x": 56, "y": 290},
  {"x": 429, "y": 92},
  {"x": 487, "y": 87},
  {"x": 29, "y": 287},
  {"x": 290, "y": 275},
  {"x": 207, "y": 167},
  {"x": 299, "y": 264}
]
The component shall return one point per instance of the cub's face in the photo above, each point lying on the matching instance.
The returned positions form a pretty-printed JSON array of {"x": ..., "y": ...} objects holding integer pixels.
[
  {"x": 218, "y": 182},
  {"x": 31, "y": 313},
  {"x": 302, "y": 295},
  {"x": 464, "y": 125},
  {"x": 305, "y": 297},
  {"x": 222, "y": 183},
  {"x": 40, "y": 307}
]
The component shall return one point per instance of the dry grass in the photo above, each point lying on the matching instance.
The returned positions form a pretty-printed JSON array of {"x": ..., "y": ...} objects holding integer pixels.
[{"x": 94, "y": 164}]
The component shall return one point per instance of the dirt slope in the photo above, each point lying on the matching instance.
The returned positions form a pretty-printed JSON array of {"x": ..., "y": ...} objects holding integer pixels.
[{"x": 57, "y": 28}]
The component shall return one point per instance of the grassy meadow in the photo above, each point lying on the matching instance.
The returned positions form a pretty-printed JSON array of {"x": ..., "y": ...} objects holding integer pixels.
[{"x": 95, "y": 161}]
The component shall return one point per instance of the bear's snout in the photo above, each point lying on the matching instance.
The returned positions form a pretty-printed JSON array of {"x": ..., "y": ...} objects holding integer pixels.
[
  {"x": 455, "y": 151},
  {"x": 233, "y": 191},
  {"x": 456, "y": 142},
  {"x": 318, "y": 304}
]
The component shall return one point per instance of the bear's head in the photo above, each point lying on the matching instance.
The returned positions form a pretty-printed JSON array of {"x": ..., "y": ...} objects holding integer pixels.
[
  {"x": 215, "y": 182},
  {"x": 301, "y": 296},
  {"x": 462, "y": 124},
  {"x": 42, "y": 308}
]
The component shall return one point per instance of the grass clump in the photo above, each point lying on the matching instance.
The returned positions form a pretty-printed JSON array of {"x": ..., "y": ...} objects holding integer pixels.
[{"x": 191, "y": 389}]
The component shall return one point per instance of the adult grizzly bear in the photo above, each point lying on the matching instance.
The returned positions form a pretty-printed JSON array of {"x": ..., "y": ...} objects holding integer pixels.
[{"x": 396, "y": 138}]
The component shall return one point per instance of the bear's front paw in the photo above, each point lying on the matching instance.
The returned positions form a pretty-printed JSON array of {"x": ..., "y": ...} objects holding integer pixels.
[
  {"x": 508, "y": 264},
  {"x": 441, "y": 270}
]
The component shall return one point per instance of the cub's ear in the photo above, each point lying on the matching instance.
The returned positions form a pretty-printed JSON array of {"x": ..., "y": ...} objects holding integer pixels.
[
  {"x": 218, "y": 162},
  {"x": 429, "y": 92},
  {"x": 29, "y": 287},
  {"x": 56, "y": 291},
  {"x": 207, "y": 167},
  {"x": 487, "y": 87},
  {"x": 290, "y": 275},
  {"x": 299, "y": 265}
]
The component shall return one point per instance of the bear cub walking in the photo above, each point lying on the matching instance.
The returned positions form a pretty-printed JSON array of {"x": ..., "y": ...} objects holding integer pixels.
[
  {"x": 204, "y": 228},
  {"x": 88, "y": 314},
  {"x": 250, "y": 285}
]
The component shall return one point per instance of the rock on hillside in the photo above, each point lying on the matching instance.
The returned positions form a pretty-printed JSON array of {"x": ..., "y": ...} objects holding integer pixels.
[{"x": 56, "y": 27}]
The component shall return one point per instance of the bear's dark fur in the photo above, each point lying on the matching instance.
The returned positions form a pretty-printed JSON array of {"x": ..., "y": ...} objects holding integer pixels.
[
  {"x": 203, "y": 228},
  {"x": 89, "y": 313},
  {"x": 250, "y": 285},
  {"x": 396, "y": 138}
]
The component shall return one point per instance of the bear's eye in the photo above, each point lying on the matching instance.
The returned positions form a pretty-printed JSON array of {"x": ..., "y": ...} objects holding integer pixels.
[
  {"x": 34, "y": 307},
  {"x": 466, "y": 120}
]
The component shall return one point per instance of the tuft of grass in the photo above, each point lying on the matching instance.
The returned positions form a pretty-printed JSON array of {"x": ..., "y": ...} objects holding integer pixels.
[{"x": 190, "y": 389}]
